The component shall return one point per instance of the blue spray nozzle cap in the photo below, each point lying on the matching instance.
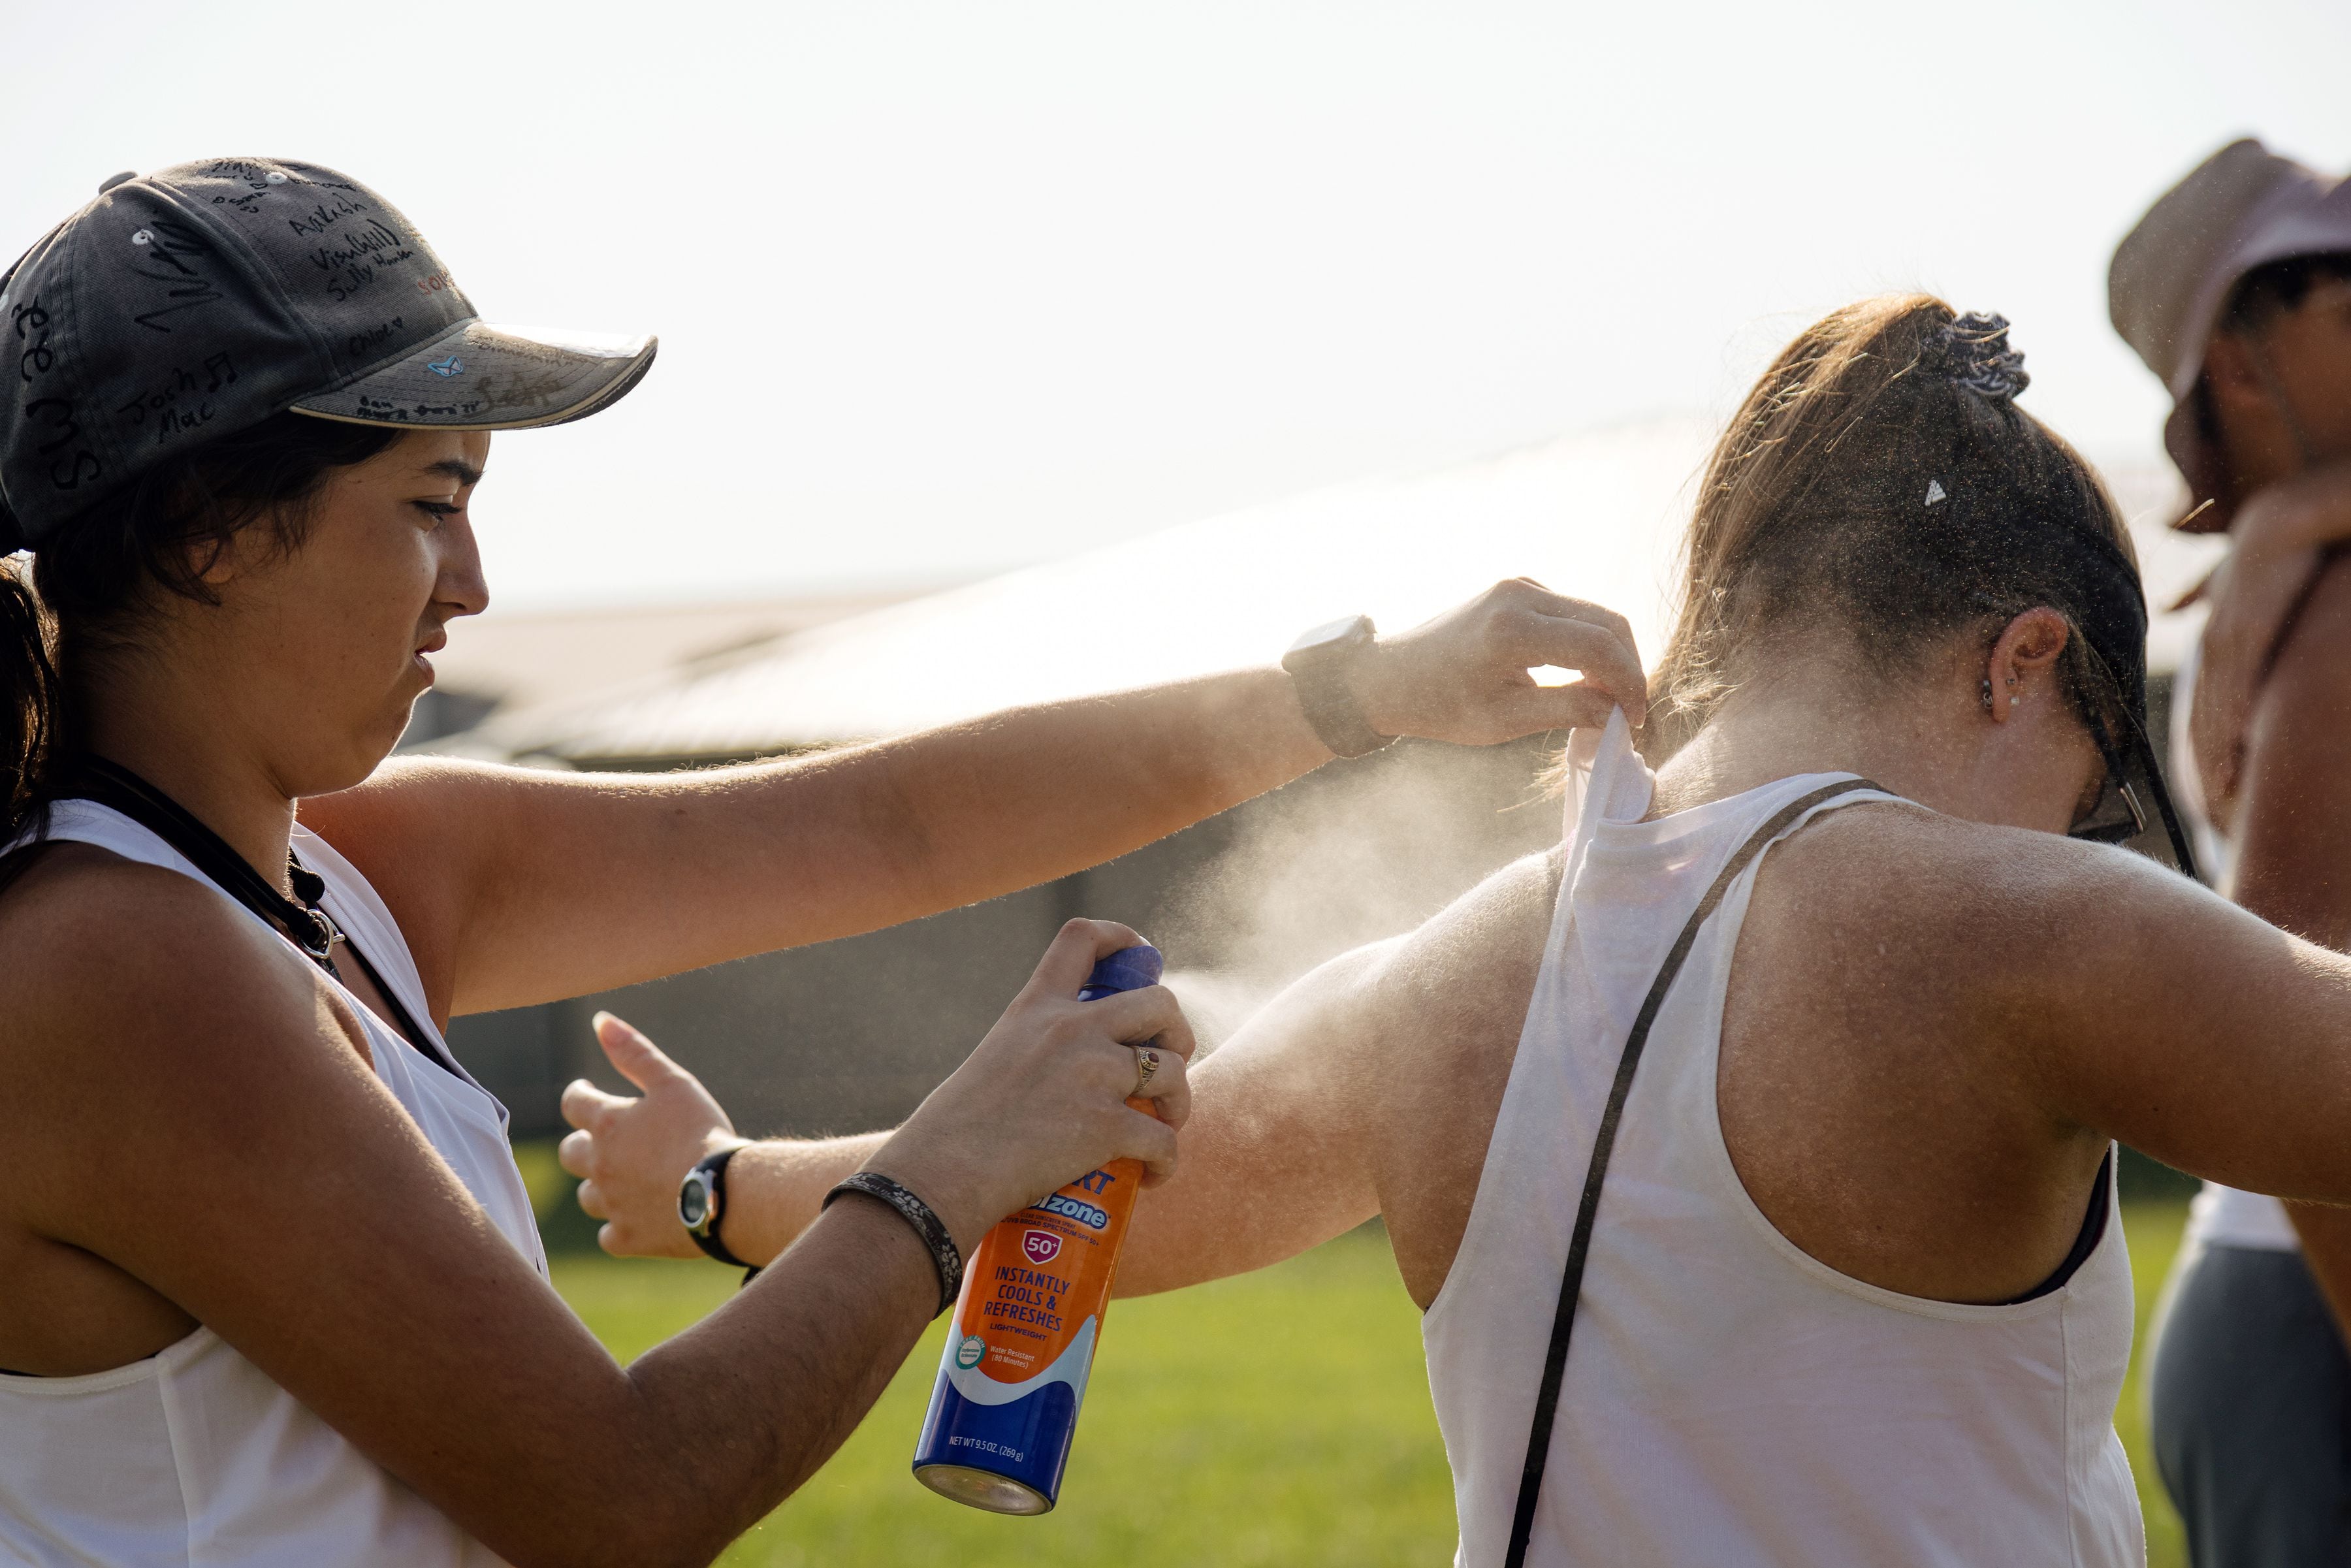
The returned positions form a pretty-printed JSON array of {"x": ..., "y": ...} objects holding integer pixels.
[{"x": 1128, "y": 969}]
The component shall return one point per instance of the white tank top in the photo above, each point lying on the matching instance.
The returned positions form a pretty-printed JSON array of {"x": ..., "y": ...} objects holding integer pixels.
[
  {"x": 193, "y": 1455},
  {"x": 1728, "y": 1400}
]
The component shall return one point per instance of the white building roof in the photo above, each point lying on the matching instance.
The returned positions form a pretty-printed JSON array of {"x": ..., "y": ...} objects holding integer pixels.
[
  {"x": 532, "y": 657},
  {"x": 1598, "y": 516}
]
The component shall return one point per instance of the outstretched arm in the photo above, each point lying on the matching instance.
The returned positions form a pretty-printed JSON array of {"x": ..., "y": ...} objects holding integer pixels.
[
  {"x": 631, "y": 1153},
  {"x": 1269, "y": 1166},
  {"x": 1289, "y": 1107},
  {"x": 2148, "y": 1008},
  {"x": 515, "y": 887},
  {"x": 1369, "y": 1086}
]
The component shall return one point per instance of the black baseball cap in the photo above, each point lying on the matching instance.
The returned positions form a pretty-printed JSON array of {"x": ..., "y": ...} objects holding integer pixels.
[{"x": 188, "y": 304}]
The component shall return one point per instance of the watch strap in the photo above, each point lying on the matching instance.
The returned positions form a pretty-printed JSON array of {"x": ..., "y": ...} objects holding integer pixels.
[
  {"x": 945, "y": 1255},
  {"x": 1332, "y": 709},
  {"x": 711, "y": 1168},
  {"x": 1318, "y": 666}
]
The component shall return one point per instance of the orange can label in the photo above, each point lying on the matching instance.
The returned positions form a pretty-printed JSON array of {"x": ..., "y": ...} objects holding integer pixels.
[
  {"x": 1012, "y": 1375},
  {"x": 1043, "y": 1276}
]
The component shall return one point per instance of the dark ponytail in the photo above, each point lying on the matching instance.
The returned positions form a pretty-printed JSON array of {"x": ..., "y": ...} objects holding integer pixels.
[
  {"x": 86, "y": 591},
  {"x": 29, "y": 700}
]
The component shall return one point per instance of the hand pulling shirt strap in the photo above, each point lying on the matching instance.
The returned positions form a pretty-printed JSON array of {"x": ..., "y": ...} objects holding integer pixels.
[
  {"x": 1579, "y": 1247},
  {"x": 301, "y": 918}
]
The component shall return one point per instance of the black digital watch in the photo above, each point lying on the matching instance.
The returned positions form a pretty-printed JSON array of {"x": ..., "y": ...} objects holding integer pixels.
[{"x": 702, "y": 1203}]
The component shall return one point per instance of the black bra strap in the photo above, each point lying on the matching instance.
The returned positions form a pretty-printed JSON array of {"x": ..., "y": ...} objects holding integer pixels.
[
  {"x": 1579, "y": 1246},
  {"x": 2085, "y": 1240}
]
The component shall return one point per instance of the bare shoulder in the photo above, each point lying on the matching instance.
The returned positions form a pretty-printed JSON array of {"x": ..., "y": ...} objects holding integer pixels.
[
  {"x": 1910, "y": 866},
  {"x": 423, "y": 830},
  {"x": 1442, "y": 1008},
  {"x": 113, "y": 973},
  {"x": 409, "y": 804},
  {"x": 82, "y": 918},
  {"x": 1486, "y": 939},
  {"x": 1443, "y": 1014},
  {"x": 1913, "y": 885},
  {"x": 1477, "y": 953}
]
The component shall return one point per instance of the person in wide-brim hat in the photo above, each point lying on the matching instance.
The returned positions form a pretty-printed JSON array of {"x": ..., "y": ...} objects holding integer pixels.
[{"x": 2235, "y": 290}]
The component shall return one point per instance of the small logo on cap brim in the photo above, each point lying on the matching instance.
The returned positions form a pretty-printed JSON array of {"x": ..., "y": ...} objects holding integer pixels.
[{"x": 451, "y": 366}]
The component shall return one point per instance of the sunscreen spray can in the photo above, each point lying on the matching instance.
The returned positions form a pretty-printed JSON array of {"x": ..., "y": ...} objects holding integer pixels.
[{"x": 1022, "y": 1338}]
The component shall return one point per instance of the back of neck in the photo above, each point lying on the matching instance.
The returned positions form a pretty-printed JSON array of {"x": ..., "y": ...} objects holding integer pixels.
[{"x": 1789, "y": 727}]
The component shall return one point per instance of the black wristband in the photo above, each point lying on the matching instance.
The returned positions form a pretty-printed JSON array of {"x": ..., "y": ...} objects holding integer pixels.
[{"x": 918, "y": 1214}]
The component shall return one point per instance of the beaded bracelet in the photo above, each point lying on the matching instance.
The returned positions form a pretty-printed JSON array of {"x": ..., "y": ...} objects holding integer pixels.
[{"x": 918, "y": 1214}]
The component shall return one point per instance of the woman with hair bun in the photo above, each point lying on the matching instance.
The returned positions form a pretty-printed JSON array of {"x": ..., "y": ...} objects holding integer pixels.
[
  {"x": 270, "y": 1292},
  {"x": 1751, "y": 1153}
]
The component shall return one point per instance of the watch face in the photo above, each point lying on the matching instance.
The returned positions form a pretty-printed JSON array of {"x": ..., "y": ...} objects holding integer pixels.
[
  {"x": 1331, "y": 634},
  {"x": 693, "y": 1201}
]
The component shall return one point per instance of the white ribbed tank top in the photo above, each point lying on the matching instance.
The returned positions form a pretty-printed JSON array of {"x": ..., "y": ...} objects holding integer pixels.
[
  {"x": 193, "y": 1457},
  {"x": 1728, "y": 1400}
]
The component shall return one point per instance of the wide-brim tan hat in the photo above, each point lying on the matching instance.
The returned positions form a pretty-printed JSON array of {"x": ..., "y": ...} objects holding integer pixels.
[{"x": 2241, "y": 208}]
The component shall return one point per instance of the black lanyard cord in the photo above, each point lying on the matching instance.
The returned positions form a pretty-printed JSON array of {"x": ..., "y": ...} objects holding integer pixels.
[
  {"x": 304, "y": 921},
  {"x": 306, "y": 925}
]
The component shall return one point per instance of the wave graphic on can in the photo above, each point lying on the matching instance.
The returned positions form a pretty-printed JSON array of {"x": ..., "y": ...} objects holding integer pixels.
[{"x": 1003, "y": 1446}]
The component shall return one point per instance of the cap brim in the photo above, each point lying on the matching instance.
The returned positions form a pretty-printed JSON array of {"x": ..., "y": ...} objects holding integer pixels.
[{"x": 484, "y": 377}]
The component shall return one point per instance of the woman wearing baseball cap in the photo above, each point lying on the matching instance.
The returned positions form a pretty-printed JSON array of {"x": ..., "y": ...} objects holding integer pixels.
[{"x": 273, "y": 1291}]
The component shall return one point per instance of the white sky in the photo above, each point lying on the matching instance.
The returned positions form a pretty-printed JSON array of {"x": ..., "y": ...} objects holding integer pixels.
[{"x": 943, "y": 288}]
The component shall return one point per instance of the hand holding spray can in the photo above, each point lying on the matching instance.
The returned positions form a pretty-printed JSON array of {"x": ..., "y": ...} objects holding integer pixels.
[{"x": 1022, "y": 1339}]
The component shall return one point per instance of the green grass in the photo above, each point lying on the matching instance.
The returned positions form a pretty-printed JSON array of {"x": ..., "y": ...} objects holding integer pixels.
[{"x": 1282, "y": 1417}]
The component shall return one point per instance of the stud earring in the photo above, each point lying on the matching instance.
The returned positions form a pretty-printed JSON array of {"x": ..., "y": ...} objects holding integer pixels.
[{"x": 1986, "y": 694}]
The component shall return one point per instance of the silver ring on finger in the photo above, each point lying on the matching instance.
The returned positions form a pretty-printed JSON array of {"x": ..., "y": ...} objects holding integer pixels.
[{"x": 1146, "y": 1067}]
